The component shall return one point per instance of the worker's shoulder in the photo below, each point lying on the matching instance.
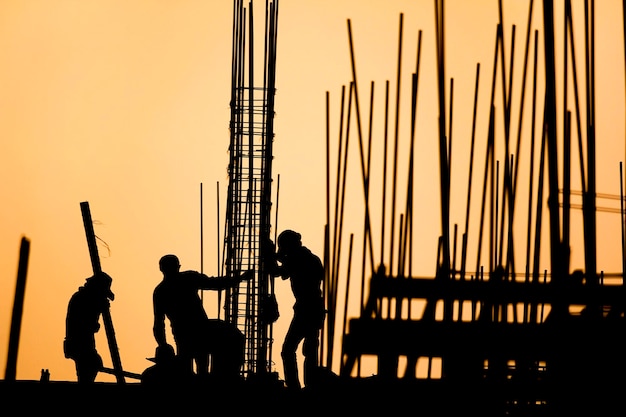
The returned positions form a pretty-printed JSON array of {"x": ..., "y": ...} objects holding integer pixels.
[
  {"x": 308, "y": 254},
  {"x": 191, "y": 274}
]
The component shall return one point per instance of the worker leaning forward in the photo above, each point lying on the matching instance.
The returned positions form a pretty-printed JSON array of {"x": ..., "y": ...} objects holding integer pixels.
[
  {"x": 82, "y": 323},
  {"x": 305, "y": 271}
]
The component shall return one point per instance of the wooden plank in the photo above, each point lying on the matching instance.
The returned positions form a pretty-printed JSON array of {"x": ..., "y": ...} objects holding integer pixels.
[
  {"x": 18, "y": 307},
  {"x": 495, "y": 293},
  {"x": 106, "y": 313}
]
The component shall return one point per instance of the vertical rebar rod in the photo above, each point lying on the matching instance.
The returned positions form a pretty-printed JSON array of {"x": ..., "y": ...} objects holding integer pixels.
[
  {"x": 366, "y": 223},
  {"x": 523, "y": 96},
  {"x": 443, "y": 146},
  {"x": 539, "y": 216},
  {"x": 339, "y": 231},
  {"x": 384, "y": 181},
  {"x": 621, "y": 216},
  {"x": 364, "y": 175},
  {"x": 489, "y": 152},
  {"x": 410, "y": 176},
  {"x": 327, "y": 160},
  {"x": 345, "y": 304},
  {"x": 589, "y": 212},
  {"x": 469, "y": 179},
  {"x": 532, "y": 172},
  {"x": 338, "y": 184},
  {"x": 570, "y": 24},
  {"x": 567, "y": 161},
  {"x": 396, "y": 141},
  {"x": 220, "y": 267},
  {"x": 556, "y": 248}
]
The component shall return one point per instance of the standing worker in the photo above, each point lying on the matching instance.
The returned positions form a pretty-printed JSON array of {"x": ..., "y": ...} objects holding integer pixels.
[
  {"x": 306, "y": 273},
  {"x": 196, "y": 336},
  {"x": 82, "y": 323}
]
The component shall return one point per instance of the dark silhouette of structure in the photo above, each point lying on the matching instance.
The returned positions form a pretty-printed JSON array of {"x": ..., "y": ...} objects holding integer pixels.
[
  {"x": 493, "y": 341},
  {"x": 82, "y": 323},
  {"x": 177, "y": 298},
  {"x": 305, "y": 272},
  {"x": 249, "y": 196}
]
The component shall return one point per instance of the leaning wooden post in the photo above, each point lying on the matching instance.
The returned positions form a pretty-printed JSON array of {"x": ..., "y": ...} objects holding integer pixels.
[
  {"x": 18, "y": 305},
  {"x": 106, "y": 313}
]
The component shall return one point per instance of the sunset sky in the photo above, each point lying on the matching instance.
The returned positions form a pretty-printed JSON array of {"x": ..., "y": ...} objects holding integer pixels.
[{"x": 125, "y": 105}]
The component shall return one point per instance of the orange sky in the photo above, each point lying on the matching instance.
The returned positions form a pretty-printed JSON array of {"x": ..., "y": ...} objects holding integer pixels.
[{"x": 126, "y": 105}]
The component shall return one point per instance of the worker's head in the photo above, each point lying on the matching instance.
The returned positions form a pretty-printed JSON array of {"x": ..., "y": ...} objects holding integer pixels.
[
  {"x": 288, "y": 240},
  {"x": 169, "y": 264},
  {"x": 101, "y": 282}
]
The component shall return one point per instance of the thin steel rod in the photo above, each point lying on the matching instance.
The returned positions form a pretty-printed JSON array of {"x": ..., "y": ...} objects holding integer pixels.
[
  {"x": 443, "y": 146},
  {"x": 523, "y": 96},
  {"x": 324, "y": 331},
  {"x": 621, "y": 195},
  {"x": 220, "y": 267},
  {"x": 506, "y": 180},
  {"x": 413, "y": 122},
  {"x": 539, "y": 216},
  {"x": 201, "y": 233},
  {"x": 345, "y": 303},
  {"x": 364, "y": 175},
  {"x": 366, "y": 225},
  {"x": 335, "y": 278},
  {"x": 494, "y": 213},
  {"x": 327, "y": 158},
  {"x": 551, "y": 139},
  {"x": 338, "y": 191},
  {"x": 450, "y": 118},
  {"x": 327, "y": 265},
  {"x": 488, "y": 154},
  {"x": 384, "y": 182},
  {"x": 410, "y": 176},
  {"x": 396, "y": 141},
  {"x": 469, "y": 180},
  {"x": 532, "y": 171},
  {"x": 481, "y": 224},
  {"x": 570, "y": 24},
  {"x": 567, "y": 175},
  {"x": 589, "y": 204}
]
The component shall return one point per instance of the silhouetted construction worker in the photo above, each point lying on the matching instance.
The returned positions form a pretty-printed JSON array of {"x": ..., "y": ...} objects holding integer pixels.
[
  {"x": 83, "y": 322},
  {"x": 306, "y": 273},
  {"x": 196, "y": 336}
]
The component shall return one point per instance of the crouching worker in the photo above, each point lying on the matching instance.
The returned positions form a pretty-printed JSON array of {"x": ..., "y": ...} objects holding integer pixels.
[{"x": 167, "y": 369}]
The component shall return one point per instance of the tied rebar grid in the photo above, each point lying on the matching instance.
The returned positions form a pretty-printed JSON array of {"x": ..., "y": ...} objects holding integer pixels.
[{"x": 250, "y": 180}]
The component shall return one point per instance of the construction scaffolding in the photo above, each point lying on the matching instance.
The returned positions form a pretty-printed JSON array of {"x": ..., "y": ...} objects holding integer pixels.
[{"x": 249, "y": 201}]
